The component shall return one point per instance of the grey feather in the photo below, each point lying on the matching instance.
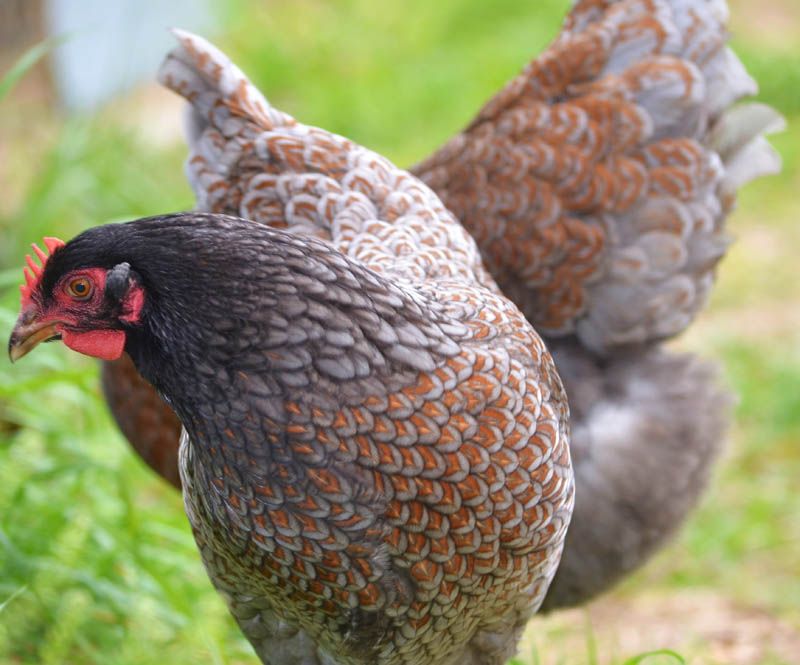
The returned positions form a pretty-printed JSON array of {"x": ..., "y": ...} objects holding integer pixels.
[{"x": 646, "y": 429}]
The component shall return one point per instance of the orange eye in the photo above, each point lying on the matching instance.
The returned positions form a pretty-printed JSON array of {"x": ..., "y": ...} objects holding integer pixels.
[{"x": 79, "y": 288}]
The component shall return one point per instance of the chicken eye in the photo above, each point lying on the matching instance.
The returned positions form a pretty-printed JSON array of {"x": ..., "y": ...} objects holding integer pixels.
[{"x": 79, "y": 288}]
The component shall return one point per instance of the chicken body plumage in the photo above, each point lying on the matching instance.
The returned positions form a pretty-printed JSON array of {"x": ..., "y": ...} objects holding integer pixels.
[
  {"x": 407, "y": 499},
  {"x": 316, "y": 184}
]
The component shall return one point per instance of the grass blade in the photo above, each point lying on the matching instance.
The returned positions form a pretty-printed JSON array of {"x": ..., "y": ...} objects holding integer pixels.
[
  {"x": 8, "y": 600},
  {"x": 25, "y": 63},
  {"x": 641, "y": 658}
]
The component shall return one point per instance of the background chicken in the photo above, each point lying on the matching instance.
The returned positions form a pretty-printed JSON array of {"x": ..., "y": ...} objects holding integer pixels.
[{"x": 596, "y": 184}]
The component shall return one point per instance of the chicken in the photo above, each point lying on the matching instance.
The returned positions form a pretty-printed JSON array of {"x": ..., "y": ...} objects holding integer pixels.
[
  {"x": 375, "y": 458},
  {"x": 597, "y": 184}
]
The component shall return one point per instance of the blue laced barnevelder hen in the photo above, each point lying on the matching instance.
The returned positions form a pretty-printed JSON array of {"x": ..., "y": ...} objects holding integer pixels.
[
  {"x": 376, "y": 460},
  {"x": 376, "y": 464}
]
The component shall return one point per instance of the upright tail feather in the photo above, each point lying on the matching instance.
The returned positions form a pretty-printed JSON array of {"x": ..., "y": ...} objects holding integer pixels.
[{"x": 219, "y": 94}]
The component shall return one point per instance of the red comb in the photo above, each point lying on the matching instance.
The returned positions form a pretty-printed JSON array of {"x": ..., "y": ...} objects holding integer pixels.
[{"x": 33, "y": 272}]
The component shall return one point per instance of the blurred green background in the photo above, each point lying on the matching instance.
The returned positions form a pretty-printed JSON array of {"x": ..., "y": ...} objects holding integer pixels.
[{"x": 97, "y": 564}]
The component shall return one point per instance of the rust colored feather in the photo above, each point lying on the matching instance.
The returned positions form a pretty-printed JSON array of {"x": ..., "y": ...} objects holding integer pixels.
[{"x": 151, "y": 427}]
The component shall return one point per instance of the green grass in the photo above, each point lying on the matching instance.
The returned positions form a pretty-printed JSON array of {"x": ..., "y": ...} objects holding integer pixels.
[{"x": 97, "y": 564}]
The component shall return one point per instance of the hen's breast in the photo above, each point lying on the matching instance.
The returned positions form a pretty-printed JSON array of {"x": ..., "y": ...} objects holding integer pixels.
[{"x": 391, "y": 530}]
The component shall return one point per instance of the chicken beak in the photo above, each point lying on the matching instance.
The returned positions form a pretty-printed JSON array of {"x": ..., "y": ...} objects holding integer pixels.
[{"x": 28, "y": 333}]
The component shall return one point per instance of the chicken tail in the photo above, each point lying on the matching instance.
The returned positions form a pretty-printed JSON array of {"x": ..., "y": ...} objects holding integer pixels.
[
  {"x": 739, "y": 138},
  {"x": 218, "y": 94}
]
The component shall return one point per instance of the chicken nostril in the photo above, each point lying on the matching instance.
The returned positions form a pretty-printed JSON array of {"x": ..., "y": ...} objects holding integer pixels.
[{"x": 27, "y": 316}]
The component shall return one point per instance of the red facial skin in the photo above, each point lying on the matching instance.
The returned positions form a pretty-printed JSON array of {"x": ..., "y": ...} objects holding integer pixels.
[{"x": 80, "y": 320}]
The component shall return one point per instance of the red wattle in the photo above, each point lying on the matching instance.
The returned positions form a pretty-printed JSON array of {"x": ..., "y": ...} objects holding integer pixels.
[{"x": 103, "y": 344}]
